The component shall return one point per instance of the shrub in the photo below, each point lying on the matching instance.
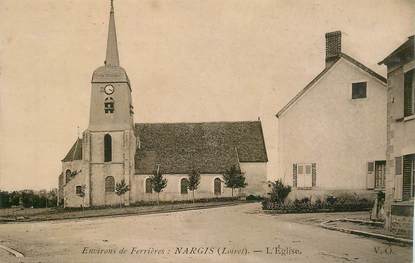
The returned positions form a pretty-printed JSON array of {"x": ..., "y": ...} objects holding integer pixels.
[
  {"x": 331, "y": 199},
  {"x": 279, "y": 192},
  {"x": 254, "y": 198},
  {"x": 331, "y": 204}
]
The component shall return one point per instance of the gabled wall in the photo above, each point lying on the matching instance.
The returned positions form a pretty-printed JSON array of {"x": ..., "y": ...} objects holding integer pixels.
[{"x": 325, "y": 126}]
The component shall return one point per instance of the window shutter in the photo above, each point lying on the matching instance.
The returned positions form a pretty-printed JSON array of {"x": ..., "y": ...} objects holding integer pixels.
[
  {"x": 407, "y": 93},
  {"x": 295, "y": 175},
  {"x": 398, "y": 165},
  {"x": 370, "y": 177},
  {"x": 397, "y": 195},
  {"x": 406, "y": 178},
  {"x": 313, "y": 174}
]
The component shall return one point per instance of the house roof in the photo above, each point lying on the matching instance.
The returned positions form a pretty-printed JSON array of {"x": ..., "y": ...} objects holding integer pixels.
[
  {"x": 322, "y": 73},
  {"x": 402, "y": 54},
  {"x": 75, "y": 153},
  {"x": 209, "y": 147}
]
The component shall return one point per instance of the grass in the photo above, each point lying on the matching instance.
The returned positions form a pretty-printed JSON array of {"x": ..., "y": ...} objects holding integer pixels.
[{"x": 45, "y": 214}]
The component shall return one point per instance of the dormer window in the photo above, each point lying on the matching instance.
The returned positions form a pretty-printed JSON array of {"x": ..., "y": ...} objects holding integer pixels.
[
  {"x": 359, "y": 90},
  {"x": 109, "y": 105}
]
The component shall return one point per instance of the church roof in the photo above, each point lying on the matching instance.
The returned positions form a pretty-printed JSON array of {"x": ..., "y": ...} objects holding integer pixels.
[
  {"x": 111, "y": 71},
  {"x": 209, "y": 147},
  {"x": 112, "y": 58},
  {"x": 75, "y": 153}
]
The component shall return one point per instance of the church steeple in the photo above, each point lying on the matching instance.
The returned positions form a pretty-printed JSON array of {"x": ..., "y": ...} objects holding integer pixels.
[{"x": 112, "y": 59}]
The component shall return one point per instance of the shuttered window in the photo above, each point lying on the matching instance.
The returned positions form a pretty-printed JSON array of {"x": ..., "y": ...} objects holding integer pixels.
[
  {"x": 314, "y": 173},
  {"x": 370, "y": 167},
  {"x": 304, "y": 175},
  {"x": 409, "y": 96},
  {"x": 370, "y": 177},
  {"x": 408, "y": 176},
  {"x": 294, "y": 175}
]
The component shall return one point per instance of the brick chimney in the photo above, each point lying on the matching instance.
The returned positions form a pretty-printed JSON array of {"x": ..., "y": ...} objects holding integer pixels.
[{"x": 333, "y": 47}]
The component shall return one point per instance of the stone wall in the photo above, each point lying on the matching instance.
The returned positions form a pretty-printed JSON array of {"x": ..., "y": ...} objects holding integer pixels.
[
  {"x": 172, "y": 190},
  {"x": 401, "y": 220}
]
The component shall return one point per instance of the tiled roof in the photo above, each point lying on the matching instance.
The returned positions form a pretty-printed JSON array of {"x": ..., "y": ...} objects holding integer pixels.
[
  {"x": 208, "y": 147},
  {"x": 75, "y": 153},
  {"x": 322, "y": 73}
]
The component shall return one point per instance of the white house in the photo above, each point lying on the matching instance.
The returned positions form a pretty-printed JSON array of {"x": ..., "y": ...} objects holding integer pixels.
[
  {"x": 332, "y": 134},
  {"x": 400, "y": 150}
]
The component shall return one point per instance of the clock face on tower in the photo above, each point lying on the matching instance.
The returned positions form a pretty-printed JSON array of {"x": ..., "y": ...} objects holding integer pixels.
[{"x": 109, "y": 89}]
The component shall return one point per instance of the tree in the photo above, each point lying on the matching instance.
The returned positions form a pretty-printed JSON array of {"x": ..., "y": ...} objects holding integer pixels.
[
  {"x": 194, "y": 181},
  {"x": 279, "y": 191},
  {"x": 52, "y": 197},
  {"x": 15, "y": 198},
  {"x": 4, "y": 199},
  {"x": 234, "y": 178},
  {"x": 240, "y": 182},
  {"x": 158, "y": 183},
  {"x": 121, "y": 188},
  {"x": 27, "y": 198}
]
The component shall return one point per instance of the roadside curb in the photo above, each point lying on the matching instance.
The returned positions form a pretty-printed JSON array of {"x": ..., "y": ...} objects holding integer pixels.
[
  {"x": 160, "y": 211},
  {"x": 12, "y": 251},
  {"x": 363, "y": 233}
]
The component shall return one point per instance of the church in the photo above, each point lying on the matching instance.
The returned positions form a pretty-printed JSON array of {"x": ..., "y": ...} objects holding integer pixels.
[{"x": 115, "y": 148}]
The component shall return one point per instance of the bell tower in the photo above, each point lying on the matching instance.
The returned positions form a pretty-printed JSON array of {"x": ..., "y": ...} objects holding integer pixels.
[
  {"x": 111, "y": 103},
  {"x": 108, "y": 144}
]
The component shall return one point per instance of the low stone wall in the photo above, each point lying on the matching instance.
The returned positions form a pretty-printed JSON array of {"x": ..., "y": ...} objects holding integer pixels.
[{"x": 401, "y": 223}]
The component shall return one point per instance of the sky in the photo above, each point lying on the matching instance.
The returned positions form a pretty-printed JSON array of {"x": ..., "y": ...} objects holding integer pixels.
[{"x": 187, "y": 60}]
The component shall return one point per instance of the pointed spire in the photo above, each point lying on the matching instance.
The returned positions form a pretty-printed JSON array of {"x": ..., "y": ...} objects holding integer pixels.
[{"x": 112, "y": 58}]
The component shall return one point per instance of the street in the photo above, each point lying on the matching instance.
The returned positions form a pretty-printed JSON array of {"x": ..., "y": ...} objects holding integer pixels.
[{"x": 239, "y": 233}]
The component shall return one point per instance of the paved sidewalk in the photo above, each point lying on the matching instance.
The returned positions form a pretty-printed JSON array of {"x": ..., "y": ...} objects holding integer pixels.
[{"x": 364, "y": 228}]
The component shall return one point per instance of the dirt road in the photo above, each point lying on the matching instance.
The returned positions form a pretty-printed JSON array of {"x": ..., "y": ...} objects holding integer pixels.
[{"x": 228, "y": 234}]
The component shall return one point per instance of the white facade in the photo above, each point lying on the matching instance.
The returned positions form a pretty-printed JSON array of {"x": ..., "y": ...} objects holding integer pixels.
[{"x": 336, "y": 134}]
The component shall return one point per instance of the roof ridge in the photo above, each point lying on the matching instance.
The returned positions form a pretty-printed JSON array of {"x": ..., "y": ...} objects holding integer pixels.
[
  {"x": 362, "y": 66},
  {"x": 313, "y": 81},
  {"x": 209, "y": 122},
  {"x": 301, "y": 92}
]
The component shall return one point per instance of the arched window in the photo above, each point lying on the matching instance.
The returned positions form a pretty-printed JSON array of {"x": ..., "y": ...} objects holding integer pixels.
[
  {"x": 68, "y": 175},
  {"x": 217, "y": 186},
  {"x": 184, "y": 184},
  {"x": 109, "y": 184},
  {"x": 107, "y": 148},
  {"x": 149, "y": 188},
  {"x": 109, "y": 105}
]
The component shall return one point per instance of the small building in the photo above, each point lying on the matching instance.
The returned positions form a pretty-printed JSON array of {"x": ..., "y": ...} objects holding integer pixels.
[
  {"x": 332, "y": 133},
  {"x": 114, "y": 148},
  {"x": 400, "y": 151}
]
